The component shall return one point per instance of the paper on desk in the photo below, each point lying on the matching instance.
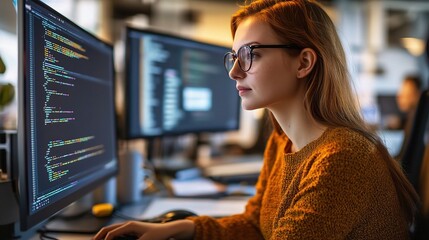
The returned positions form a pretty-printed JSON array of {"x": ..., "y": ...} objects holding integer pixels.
[
  {"x": 196, "y": 187},
  {"x": 208, "y": 207}
]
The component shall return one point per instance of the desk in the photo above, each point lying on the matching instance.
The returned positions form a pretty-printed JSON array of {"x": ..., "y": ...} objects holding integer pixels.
[
  {"x": 89, "y": 223},
  {"x": 228, "y": 205}
]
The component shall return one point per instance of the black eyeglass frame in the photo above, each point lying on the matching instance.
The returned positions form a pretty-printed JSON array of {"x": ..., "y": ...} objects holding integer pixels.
[{"x": 251, "y": 47}]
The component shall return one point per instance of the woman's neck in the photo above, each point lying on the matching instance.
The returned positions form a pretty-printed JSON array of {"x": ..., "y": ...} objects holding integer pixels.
[{"x": 300, "y": 128}]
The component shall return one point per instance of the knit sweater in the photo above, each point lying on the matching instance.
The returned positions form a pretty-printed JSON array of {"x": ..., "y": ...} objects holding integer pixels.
[{"x": 336, "y": 187}]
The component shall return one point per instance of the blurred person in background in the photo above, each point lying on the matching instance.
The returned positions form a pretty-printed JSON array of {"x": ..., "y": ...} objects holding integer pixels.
[{"x": 407, "y": 99}]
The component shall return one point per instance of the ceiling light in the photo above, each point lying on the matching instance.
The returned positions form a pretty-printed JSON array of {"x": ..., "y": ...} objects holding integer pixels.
[{"x": 415, "y": 46}]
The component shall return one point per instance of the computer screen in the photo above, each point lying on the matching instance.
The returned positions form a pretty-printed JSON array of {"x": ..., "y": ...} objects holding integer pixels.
[
  {"x": 388, "y": 105},
  {"x": 175, "y": 86},
  {"x": 66, "y": 129}
]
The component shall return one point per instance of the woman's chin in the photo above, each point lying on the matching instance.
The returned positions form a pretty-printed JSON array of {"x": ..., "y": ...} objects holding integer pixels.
[{"x": 249, "y": 106}]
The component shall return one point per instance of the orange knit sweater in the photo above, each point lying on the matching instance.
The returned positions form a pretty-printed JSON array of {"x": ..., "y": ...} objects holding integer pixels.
[{"x": 336, "y": 187}]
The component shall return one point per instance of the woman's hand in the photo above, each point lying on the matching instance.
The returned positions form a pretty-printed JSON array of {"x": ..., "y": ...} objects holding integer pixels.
[{"x": 180, "y": 229}]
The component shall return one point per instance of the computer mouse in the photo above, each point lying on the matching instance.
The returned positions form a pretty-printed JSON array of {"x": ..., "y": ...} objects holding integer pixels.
[{"x": 172, "y": 215}]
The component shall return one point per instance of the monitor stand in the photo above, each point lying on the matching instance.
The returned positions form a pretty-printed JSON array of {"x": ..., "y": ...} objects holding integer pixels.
[
  {"x": 76, "y": 218},
  {"x": 168, "y": 162},
  {"x": 84, "y": 224}
]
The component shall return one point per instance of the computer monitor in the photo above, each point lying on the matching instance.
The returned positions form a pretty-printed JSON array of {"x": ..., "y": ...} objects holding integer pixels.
[
  {"x": 388, "y": 105},
  {"x": 66, "y": 119},
  {"x": 175, "y": 85}
]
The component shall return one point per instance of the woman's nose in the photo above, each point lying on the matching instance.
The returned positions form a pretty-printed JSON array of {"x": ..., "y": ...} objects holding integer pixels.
[{"x": 236, "y": 73}]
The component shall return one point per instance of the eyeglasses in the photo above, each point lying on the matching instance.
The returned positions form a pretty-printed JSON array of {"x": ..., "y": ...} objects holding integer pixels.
[{"x": 245, "y": 56}]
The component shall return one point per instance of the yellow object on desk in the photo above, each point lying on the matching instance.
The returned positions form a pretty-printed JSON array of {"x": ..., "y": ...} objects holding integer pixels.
[{"x": 102, "y": 210}]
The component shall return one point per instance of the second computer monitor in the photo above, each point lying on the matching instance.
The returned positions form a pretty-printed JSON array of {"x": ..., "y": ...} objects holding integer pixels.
[{"x": 175, "y": 86}]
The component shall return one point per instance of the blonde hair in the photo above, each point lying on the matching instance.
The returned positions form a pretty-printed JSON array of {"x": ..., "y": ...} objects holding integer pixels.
[{"x": 329, "y": 94}]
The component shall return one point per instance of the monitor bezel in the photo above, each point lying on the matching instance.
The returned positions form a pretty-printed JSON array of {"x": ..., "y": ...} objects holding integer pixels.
[
  {"x": 27, "y": 220},
  {"x": 124, "y": 130}
]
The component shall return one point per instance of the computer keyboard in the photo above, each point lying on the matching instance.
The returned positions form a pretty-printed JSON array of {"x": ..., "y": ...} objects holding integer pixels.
[
  {"x": 241, "y": 168},
  {"x": 235, "y": 168}
]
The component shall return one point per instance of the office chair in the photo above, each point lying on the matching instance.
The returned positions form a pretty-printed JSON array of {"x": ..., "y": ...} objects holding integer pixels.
[
  {"x": 415, "y": 147},
  {"x": 413, "y": 158}
]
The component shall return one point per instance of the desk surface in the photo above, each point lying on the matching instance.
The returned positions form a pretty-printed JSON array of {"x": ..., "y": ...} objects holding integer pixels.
[
  {"x": 89, "y": 223},
  {"x": 146, "y": 208}
]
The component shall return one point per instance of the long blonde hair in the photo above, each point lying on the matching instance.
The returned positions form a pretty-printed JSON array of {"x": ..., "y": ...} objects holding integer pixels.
[{"x": 329, "y": 95}]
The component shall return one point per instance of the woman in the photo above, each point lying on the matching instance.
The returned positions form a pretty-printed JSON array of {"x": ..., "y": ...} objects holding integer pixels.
[{"x": 325, "y": 176}]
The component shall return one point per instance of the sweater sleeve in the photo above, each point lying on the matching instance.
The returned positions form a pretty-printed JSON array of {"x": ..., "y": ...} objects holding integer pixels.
[
  {"x": 330, "y": 198},
  {"x": 239, "y": 226}
]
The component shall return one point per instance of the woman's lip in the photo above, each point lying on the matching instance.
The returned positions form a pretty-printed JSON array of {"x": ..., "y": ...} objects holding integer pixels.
[
  {"x": 239, "y": 88},
  {"x": 243, "y": 90}
]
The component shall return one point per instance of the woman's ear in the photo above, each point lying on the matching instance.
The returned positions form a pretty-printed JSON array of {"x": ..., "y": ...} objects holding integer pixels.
[{"x": 307, "y": 60}]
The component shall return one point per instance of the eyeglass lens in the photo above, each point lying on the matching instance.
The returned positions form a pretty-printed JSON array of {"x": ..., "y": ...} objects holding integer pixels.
[
  {"x": 244, "y": 57},
  {"x": 229, "y": 61}
]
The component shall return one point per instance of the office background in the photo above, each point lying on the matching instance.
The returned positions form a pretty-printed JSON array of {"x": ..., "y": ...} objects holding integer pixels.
[{"x": 384, "y": 41}]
